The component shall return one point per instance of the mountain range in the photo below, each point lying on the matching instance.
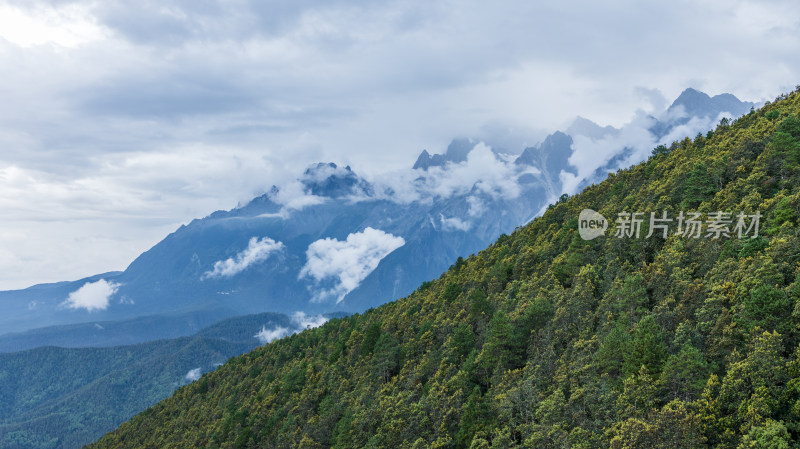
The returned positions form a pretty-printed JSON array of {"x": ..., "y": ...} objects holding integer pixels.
[{"x": 332, "y": 240}]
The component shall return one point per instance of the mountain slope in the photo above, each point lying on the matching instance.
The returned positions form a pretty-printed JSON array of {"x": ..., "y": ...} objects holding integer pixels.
[{"x": 548, "y": 340}]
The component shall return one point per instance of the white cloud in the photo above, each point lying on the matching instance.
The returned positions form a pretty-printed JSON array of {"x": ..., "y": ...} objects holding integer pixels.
[
  {"x": 301, "y": 322},
  {"x": 304, "y": 321},
  {"x": 92, "y": 296},
  {"x": 483, "y": 170},
  {"x": 476, "y": 206},
  {"x": 68, "y": 26},
  {"x": 293, "y": 196},
  {"x": 692, "y": 127},
  {"x": 257, "y": 251},
  {"x": 268, "y": 335},
  {"x": 192, "y": 375},
  {"x": 347, "y": 262},
  {"x": 591, "y": 153},
  {"x": 454, "y": 224}
]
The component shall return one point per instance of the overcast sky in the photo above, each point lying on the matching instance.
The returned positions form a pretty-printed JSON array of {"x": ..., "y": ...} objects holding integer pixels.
[{"x": 121, "y": 120}]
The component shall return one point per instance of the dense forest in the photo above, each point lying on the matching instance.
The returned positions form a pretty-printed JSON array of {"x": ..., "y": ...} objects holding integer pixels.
[{"x": 547, "y": 340}]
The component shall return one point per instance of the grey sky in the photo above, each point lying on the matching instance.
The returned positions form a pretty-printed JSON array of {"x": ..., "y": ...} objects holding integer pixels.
[{"x": 121, "y": 120}]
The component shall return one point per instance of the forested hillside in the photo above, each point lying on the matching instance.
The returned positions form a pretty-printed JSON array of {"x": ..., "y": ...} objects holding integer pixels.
[{"x": 547, "y": 340}]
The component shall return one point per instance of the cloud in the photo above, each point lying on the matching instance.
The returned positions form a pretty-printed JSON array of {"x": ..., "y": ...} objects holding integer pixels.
[
  {"x": 293, "y": 196},
  {"x": 635, "y": 141},
  {"x": 304, "y": 321},
  {"x": 192, "y": 375},
  {"x": 476, "y": 206},
  {"x": 484, "y": 171},
  {"x": 591, "y": 153},
  {"x": 347, "y": 262},
  {"x": 268, "y": 335},
  {"x": 454, "y": 224},
  {"x": 67, "y": 26},
  {"x": 257, "y": 251},
  {"x": 655, "y": 99},
  {"x": 301, "y": 322},
  {"x": 92, "y": 296}
]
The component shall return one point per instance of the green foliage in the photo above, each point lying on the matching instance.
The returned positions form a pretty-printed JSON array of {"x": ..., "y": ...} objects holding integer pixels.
[
  {"x": 766, "y": 307},
  {"x": 753, "y": 246},
  {"x": 646, "y": 348},
  {"x": 783, "y": 214},
  {"x": 451, "y": 292},
  {"x": 790, "y": 125},
  {"x": 772, "y": 435},
  {"x": 698, "y": 187},
  {"x": 544, "y": 340},
  {"x": 462, "y": 342},
  {"x": 371, "y": 335},
  {"x": 685, "y": 374},
  {"x": 479, "y": 308},
  {"x": 661, "y": 149}
]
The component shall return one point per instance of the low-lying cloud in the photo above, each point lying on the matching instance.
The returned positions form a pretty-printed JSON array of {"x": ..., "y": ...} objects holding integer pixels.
[
  {"x": 192, "y": 375},
  {"x": 268, "y": 335},
  {"x": 92, "y": 296},
  {"x": 347, "y": 262},
  {"x": 301, "y": 322},
  {"x": 304, "y": 321},
  {"x": 257, "y": 251}
]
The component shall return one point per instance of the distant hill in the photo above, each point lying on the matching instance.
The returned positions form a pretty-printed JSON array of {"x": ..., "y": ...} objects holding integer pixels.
[
  {"x": 64, "y": 398},
  {"x": 100, "y": 334}
]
